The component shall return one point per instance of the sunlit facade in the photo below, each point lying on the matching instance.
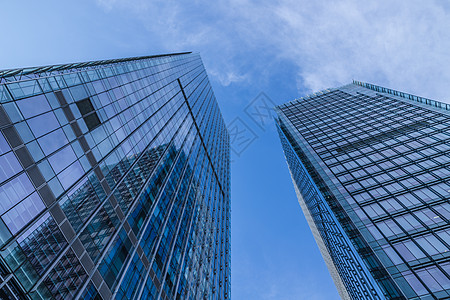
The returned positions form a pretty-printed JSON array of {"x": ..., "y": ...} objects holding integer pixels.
[
  {"x": 371, "y": 168},
  {"x": 114, "y": 182}
]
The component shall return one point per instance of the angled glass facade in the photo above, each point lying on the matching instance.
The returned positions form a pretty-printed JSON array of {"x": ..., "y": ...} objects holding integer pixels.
[
  {"x": 114, "y": 182},
  {"x": 371, "y": 167}
]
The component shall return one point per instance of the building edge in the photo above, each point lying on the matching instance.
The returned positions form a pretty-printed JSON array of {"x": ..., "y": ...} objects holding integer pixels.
[{"x": 321, "y": 245}]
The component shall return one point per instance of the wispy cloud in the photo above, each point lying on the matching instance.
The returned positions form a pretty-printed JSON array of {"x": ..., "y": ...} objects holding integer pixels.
[
  {"x": 399, "y": 44},
  {"x": 396, "y": 43}
]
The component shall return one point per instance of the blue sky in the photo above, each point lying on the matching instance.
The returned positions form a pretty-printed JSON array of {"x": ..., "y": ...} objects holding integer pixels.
[{"x": 286, "y": 49}]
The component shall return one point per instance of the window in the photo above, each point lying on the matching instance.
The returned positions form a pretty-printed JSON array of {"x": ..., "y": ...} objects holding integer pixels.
[
  {"x": 409, "y": 250},
  {"x": 434, "y": 279},
  {"x": 88, "y": 113}
]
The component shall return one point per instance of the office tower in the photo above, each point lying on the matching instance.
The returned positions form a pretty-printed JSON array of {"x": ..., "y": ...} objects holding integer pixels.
[
  {"x": 371, "y": 168},
  {"x": 114, "y": 181}
]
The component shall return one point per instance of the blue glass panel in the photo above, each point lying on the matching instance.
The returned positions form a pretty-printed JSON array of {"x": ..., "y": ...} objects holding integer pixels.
[
  {"x": 14, "y": 191},
  {"x": 9, "y": 166},
  {"x": 18, "y": 216},
  {"x": 78, "y": 92},
  {"x": 56, "y": 187},
  {"x": 62, "y": 159},
  {"x": 33, "y": 106},
  {"x": 24, "y": 132},
  {"x": 70, "y": 175},
  {"x": 53, "y": 141},
  {"x": 4, "y": 146},
  {"x": 43, "y": 124},
  {"x": 13, "y": 112},
  {"x": 4, "y": 95},
  {"x": 51, "y": 98},
  {"x": 35, "y": 151},
  {"x": 46, "y": 170},
  {"x": 45, "y": 85},
  {"x": 24, "y": 89},
  {"x": 61, "y": 117}
]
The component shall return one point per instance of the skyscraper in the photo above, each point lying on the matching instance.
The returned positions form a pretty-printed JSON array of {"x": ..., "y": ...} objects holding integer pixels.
[
  {"x": 114, "y": 181},
  {"x": 371, "y": 168}
]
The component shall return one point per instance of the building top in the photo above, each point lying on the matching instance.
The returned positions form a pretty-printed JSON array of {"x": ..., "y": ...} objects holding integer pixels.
[
  {"x": 10, "y": 75},
  {"x": 430, "y": 102},
  {"x": 380, "y": 89},
  {"x": 26, "y": 82}
]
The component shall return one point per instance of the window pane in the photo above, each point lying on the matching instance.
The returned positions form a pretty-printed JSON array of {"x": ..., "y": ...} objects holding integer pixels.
[
  {"x": 14, "y": 191},
  {"x": 23, "y": 212},
  {"x": 61, "y": 159},
  {"x": 70, "y": 175},
  {"x": 4, "y": 146},
  {"x": 53, "y": 141},
  {"x": 415, "y": 284},
  {"x": 9, "y": 165},
  {"x": 43, "y": 124},
  {"x": 33, "y": 106}
]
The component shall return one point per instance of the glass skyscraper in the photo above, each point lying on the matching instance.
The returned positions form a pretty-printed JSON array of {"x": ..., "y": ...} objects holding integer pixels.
[
  {"x": 114, "y": 181},
  {"x": 371, "y": 168}
]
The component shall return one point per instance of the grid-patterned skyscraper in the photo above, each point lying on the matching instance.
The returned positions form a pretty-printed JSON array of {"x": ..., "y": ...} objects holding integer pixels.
[
  {"x": 371, "y": 168},
  {"x": 114, "y": 181}
]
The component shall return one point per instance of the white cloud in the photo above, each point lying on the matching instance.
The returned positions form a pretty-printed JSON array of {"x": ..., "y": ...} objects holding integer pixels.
[
  {"x": 399, "y": 44},
  {"x": 227, "y": 78}
]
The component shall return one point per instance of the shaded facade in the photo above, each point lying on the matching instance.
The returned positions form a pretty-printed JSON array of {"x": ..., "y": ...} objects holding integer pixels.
[
  {"x": 114, "y": 182},
  {"x": 371, "y": 168}
]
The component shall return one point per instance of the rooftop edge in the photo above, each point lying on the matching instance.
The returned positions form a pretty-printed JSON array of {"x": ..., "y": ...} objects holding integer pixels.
[
  {"x": 426, "y": 101},
  {"x": 7, "y": 73},
  {"x": 380, "y": 89}
]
